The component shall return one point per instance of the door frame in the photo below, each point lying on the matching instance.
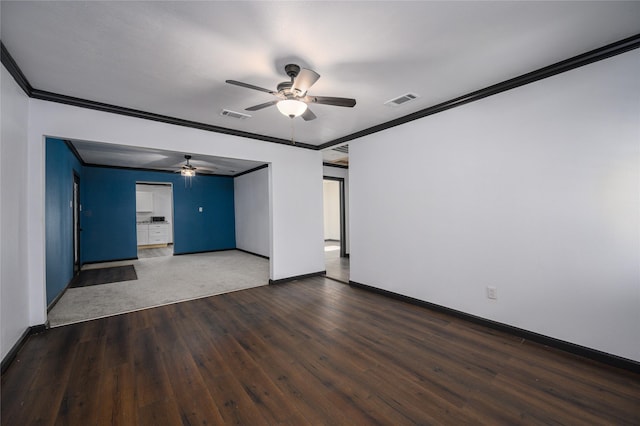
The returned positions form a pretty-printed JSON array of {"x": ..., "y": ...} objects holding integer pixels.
[
  {"x": 343, "y": 216},
  {"x": 168, "y": 184},
  {"x": 77, "y": 229}
]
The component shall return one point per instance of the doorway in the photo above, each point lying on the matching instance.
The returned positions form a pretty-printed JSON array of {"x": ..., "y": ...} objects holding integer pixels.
[
  {"x": 335, "y": 239},
  {"x": 154, "y": 219},
  {"x": 76, "y": 224}
]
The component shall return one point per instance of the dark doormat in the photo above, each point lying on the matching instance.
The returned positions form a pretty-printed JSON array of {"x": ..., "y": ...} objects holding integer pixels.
[{"x": 115, "y": 274}]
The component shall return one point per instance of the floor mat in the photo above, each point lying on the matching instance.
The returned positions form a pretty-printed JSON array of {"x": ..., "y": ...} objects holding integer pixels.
[{"x": 115, "y": 274}]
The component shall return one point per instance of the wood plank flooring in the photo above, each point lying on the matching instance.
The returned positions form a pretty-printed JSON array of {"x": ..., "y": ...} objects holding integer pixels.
[{"x": 312, "y": 351}]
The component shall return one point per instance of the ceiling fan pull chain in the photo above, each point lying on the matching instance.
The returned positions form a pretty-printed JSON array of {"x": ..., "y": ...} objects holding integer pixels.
[{"x": 292, "y": 132}]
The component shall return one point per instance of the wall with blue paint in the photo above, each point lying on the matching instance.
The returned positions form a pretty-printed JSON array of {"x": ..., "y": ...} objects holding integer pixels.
[
  {"x": 108, "y": 215},
  {"x": 212, "y": 229},
  {"x": 108, "y": 219},
  {"x": 60, "y": 166},
  {"x": 109, "y": 212}
]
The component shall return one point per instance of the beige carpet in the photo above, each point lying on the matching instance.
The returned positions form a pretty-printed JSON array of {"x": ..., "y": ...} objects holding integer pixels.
[{"x": 161, "y": 281}]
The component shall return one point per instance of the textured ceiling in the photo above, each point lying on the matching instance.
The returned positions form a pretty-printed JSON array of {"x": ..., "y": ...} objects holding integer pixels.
[
  {"x": 172, "y": 58},
  {"x": 155, "y": 159}
]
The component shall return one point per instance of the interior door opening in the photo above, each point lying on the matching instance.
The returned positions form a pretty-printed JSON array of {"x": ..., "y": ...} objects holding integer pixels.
[
  {"x": 335, "y": 244},
  {"x": 154, "y": 219}
]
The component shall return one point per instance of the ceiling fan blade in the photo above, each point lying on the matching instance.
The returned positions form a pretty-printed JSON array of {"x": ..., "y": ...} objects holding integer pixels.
[
  {"x": 250, "y": 86},
  {"x": 308, "y": 115},
  {"x": 305, "y": 79},
  {"x": 329, "y": 100},
  {"x": 260, "y": 106}
]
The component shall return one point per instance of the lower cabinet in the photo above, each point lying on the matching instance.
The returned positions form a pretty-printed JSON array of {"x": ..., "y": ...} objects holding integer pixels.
[
  {"x": 152, "y": 234},
  {"x": 158, "y": 234},
  {"x": 143, "y": 234}
]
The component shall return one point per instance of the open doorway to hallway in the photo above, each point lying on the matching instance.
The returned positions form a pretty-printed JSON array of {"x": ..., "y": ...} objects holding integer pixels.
[{"x": 336, "y": 258}]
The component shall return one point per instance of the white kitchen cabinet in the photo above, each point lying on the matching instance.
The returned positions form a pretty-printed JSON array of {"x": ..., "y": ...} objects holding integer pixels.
[
  {"x": 152, "y": 233},
  {"x": 142, "y": 234},
  {"x": 144, "y": 201},
  {"x": 158, "y": 233}
]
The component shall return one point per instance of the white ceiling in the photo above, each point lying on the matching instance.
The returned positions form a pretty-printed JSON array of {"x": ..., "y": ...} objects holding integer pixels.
[
  {"x": 173, "y": 57},
  {"x": 155, "y": 159}
]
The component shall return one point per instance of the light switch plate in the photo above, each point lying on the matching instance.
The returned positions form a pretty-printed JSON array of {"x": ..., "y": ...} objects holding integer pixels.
[{"x": 492, "y": 292}]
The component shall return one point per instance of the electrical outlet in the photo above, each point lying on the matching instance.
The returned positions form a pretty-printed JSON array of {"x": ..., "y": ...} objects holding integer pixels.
[{"x": 492, "y": 292}]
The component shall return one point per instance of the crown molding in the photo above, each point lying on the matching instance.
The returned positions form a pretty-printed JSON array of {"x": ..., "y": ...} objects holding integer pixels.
[
  {"x": 255, "y": 169},
  {"x": 613, "y": 49},
  {"x": 100, "y": 106},
  {"x": 574, "y": 62},
  {"x": 338, "y": 166},
  {"x": 15, "y": 71},
  {"x": 75, "y": 152}
]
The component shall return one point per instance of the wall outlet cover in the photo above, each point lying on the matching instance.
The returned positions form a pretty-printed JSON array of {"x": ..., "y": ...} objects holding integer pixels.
[{"x": 492, "y": 292}]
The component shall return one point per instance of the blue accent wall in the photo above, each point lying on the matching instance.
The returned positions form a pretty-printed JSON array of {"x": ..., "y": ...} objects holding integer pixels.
[
  {"x": 60, "y": 164},
  {"x": 108, "y": 215},
  {"x": 108, "y": 218},
  {"x": 212, "y": 229},
  {"x": 109, "y": 212}
]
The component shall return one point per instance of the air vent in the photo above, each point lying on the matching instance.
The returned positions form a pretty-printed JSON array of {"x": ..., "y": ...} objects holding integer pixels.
[
  {"x": 402, "y": 99},
  {"x": 234, "y": 114},
  {"x": 343, "y": 148}
]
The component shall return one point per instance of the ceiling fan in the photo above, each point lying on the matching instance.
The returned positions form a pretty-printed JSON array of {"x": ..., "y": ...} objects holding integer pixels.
[
  {"x": 188, "y": 170},
  {"x": 291, "y": 96}
]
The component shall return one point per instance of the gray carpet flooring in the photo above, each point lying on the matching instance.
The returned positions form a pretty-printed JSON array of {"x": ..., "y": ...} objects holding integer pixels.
[{"x": 161, "y": 281}]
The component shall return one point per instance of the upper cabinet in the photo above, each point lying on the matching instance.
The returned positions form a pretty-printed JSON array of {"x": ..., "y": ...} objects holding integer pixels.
[{"x": 144, "y": 201}]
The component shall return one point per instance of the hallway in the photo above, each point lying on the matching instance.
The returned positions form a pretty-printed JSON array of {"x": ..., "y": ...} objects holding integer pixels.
[{"x": 337, "y": 267}]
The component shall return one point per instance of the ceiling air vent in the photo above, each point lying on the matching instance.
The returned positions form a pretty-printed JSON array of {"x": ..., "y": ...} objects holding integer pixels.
[
  {"x": 234, "y": 114},
  {"x": 402, "y": 99},
  {"x": 343, "y": 148}
]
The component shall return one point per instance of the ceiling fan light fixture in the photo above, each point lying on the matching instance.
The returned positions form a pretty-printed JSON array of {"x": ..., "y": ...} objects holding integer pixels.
[
  {"x": 291, "y": 107},
  {"x": 188, "y": 170},
  {"x": 289, "y": 94}
]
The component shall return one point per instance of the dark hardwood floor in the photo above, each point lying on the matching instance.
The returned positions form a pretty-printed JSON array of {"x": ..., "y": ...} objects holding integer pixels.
[{"x": 312, "y": 351}]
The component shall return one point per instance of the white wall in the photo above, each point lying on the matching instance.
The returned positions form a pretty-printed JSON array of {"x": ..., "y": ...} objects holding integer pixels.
[
  {"x": 251, "y": 198},
  {"x": 534, "y": 191},
  {"x": 342, "y": 173},
  {"x": 295, "y": 177},
  {"x": 14, "y": 267},
  {"x": 331, "y": 209}
]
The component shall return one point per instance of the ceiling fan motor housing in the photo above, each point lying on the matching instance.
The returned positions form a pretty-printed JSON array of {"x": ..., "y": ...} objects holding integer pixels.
[
  {"x": 292, "y": 70},
  {"x": 284, "y": 87}
]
